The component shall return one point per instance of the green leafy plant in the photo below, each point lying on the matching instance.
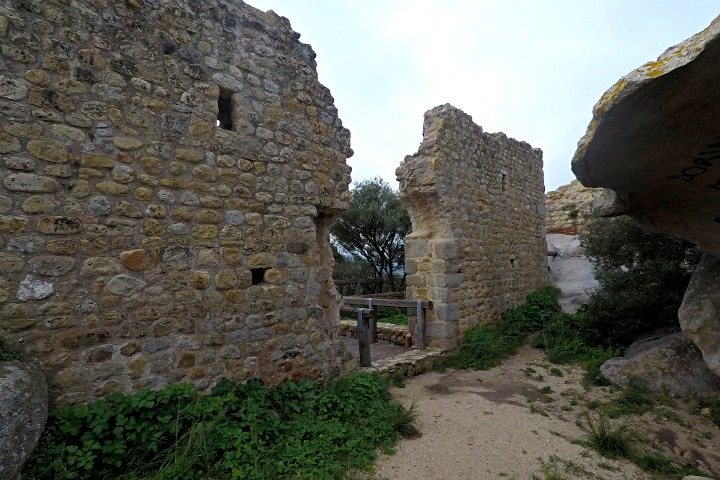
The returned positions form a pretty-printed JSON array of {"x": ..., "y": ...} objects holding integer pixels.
[
  {"x": 635, "y": 399},
  {"x": 642, "y": 277},
  {"x": 296, "y": 430},
  {"x": 484, "y": 347},
  {"x": 396, "y": 316},
  {"x": 7, "y": 353}
]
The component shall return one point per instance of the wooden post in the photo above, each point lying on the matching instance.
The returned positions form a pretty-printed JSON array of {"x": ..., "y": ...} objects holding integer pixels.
[
  {"x": 420, "y": 326},
  {"x": 373, "y": 321},
  {"x": 363, "y": 330}
]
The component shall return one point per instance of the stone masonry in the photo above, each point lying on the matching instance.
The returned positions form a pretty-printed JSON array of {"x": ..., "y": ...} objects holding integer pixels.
[
  {"x": 477, "y": 207},
  {"x": 169, "y": 171}
]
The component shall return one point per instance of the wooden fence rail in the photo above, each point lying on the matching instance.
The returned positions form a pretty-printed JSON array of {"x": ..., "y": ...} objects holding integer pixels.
[{"x": 367, "y": 320}]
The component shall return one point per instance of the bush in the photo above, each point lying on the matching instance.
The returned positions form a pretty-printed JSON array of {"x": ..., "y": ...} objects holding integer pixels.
[
  {"x": 642, "y": 276},
  {"x": 297, "y": 430}
]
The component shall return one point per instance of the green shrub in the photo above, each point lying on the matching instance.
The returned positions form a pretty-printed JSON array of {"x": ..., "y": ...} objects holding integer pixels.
[
  {"x": 642, "y": 276},
  {"x": 297, "y": 430},
  {"x": 396, "y": 316},
  {"x": 484, "y": 347}
]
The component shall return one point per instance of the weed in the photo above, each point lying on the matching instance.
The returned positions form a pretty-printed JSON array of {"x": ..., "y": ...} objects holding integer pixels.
[
  {"x": 546, "y": 390},
  {"x": 663, "y": 465},
  {"x": 396, "y": 316},
  {"x": 636, "y": 399},
  {"x": 609, "y": 441},
  {"x": 7, "y": 353},
  {"x": 398, "y": 379},
  {"x": 710, "y": 407},
  {"x": 555, "y": 372},
  {"x": 665, "y": 414},
  {"x": 538, "y": 410},
  {"x": 528, "y": 371}
]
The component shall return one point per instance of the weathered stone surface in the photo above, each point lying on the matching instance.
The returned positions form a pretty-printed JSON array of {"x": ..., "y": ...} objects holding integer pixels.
[
  {"x": 11, "y": 224},
  {"x": 30, "y": 182},
  {"x": 699, "y": 313},
  {"x": 23, "y": 412},
  {"x": 95, "y": 129},
  {"x": 99, "y": 266},
  {"x": 59, "y": 225},
  {"x": 135, "y": 259},
  {"x": 569, "y": 207},
  {"x": 570, "y": 271},
  {"x": 124, "y": 284},
  {"x": 664, "y": 361},
  {"x": 653, "y": 140},
  {"x": 475, "y": 200},
  {"x": 34, "y": 289}
]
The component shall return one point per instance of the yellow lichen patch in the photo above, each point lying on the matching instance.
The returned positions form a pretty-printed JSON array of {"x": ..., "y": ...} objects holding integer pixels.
[{"x": 609, "y": 96}]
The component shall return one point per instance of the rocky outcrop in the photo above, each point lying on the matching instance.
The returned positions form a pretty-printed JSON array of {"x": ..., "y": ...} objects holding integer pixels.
[
  {"x": 23, "y": 412},
  {"x": 700, "y": 311},
  {"x": 570, "y": 271},
  {"x": 569, "y": 208},
  {"x": 664, "y": 362},
  {"x": 654, "y": 140}
]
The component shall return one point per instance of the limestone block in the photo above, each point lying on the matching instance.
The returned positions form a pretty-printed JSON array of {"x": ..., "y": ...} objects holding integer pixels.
[
  {"x": 125, "y": 284},
  {"x": 30, "y": 182},
  {"x": 59, "y": 225},
  {"x": 51, "y": 265},
  {"x": 34, "y": 289}
]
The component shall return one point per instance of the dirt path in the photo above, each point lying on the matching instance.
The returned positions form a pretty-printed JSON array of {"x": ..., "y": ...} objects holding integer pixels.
[{"x": 497, "y": 424}]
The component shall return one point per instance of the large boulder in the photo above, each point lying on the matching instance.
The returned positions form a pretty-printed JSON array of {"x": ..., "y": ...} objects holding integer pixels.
[
  {"x": 664, "y": 361},
  {"x": 700, "y": 311},
  {"x": 654, "y": 140},
  {"x": 570, "y": 271},
  {"x": 23, "y": 412}
]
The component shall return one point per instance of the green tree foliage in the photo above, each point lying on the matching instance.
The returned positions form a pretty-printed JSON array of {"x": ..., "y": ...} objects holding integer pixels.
[
  {"x": 642, "y": 276},
  {"x": 373, "y": 229}
]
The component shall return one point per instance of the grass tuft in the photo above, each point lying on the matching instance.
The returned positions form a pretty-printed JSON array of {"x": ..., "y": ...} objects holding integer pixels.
[{"x": 609, "y": 441}]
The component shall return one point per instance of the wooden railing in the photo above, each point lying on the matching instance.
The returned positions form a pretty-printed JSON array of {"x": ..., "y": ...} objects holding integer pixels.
[{"x": 367, "y": 320}]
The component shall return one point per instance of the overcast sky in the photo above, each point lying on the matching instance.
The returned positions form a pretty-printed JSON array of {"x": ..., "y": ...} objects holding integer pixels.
[{"x": 532, "y": 69}]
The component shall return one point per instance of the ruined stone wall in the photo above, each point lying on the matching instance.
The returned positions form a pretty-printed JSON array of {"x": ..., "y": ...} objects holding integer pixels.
[
  {"x": 477, "y": 207},
  {"x": 169, "y": 170}
]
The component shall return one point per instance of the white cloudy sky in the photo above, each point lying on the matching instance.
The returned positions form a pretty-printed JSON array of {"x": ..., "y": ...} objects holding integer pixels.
[{"x": 532, "y": 69}]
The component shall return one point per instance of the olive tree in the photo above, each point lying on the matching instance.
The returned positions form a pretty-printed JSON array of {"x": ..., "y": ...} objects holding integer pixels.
[{"x": 373, "y": 229}]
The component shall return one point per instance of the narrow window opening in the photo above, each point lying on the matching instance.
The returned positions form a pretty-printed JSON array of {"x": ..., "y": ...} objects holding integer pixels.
[
  {"x": 504, "y": 181},
  {"x": 258, "y": 275},
  {"x": 224, "y": 118},
  {"x": 512, "y": 263}
]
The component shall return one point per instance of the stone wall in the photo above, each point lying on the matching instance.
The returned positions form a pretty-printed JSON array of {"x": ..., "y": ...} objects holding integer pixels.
[
  {"x": 569, "y": 208},
  {"x": 169, "y": 171},
  {"x": 477, "y": 207}
]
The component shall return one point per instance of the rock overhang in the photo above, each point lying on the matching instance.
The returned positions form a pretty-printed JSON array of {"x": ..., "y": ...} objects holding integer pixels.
[{"x": 655, "y": 140}]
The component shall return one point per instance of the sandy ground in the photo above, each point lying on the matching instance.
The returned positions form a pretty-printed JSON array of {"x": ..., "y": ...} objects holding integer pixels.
[{"x": 497, "y": 424}]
